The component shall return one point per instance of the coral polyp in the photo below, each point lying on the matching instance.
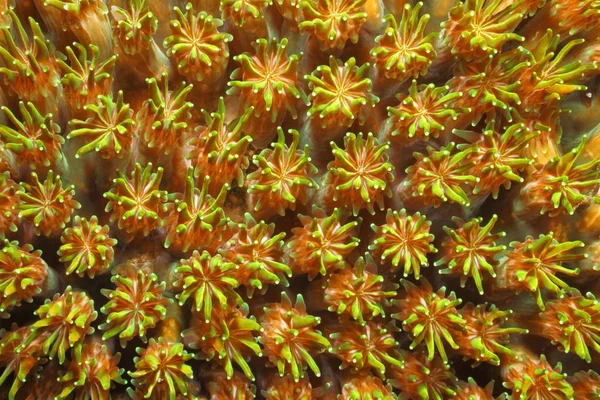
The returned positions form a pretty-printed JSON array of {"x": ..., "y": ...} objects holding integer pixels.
[
  {"x": 209, "y": 281},
  {"x": 340, "y": 93},
  {"x": 370, "y": 346},
  {"x": 485, "y": 337},
  {"x": 360, "y": 174},
  {"x": 199, "y": 50},
  {"x": 219, "y": 148},
  {"x": 478, "y": 28},
  {"x": 257, "y": 254},
  {"x": 404, "y": 240},
  {"x": 196, "y": 218},
  {"x": 533, "y": 265},
  {"x": 17, "y": 359},
  {"x": 358, "y": 292},
  {"x": 425, "y": 112},
  {"x": 135, "y": 305},
  {"x": 284, "y": 177},
  {"x": 87, "y": 247},
  {"x": 108, "y": 130},
  {"x": 320, "y": 245},
  {"x": 299, "y": 199},
  {"x": 94, "y": 376},
  {"x": 30, "y": 68},
  {"x": 430, "y": 317},
  {"x": 442, "y": 176},
  {"x": 470, "y": 250},
  {"x": 268, "y": 80},
  {"x": 85, "y": 78},
  {"x": 23, "y": 274},
  {"x": 161, "y": 370},
  {"x": 289, "y": 338},
  {"x": 572, "y": 322},
  {"x": 35, "y": 139},
  {"x": 46, "y": 205},
  {"x": 562, "y": 185},
  {"x": 403, "y": 50},
  {"x": 228, "y": 338},
  {"x": 63, "y": 322},
  {"x": 333, "y": 22},
  {"x": 137, "y": 203}
]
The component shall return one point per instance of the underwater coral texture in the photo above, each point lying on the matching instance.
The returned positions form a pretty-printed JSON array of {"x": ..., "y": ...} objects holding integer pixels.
[{"x": 299, "y": 199}]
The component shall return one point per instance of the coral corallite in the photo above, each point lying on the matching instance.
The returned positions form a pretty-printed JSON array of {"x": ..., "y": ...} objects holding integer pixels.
[
  {"x": 209, "y": 281},
  {"x": 17, "y": 359},
  {"x": 299, "y": 199},
  {"x": 358, "y": 292},
  {"x": 137, "y": 203},
  {"x": 470, "y": 250}
]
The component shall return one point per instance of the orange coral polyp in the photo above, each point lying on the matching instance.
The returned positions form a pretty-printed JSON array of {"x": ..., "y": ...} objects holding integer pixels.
[
  {"x": 403, "y": 50},
  {"x": 268, "y": 80}
]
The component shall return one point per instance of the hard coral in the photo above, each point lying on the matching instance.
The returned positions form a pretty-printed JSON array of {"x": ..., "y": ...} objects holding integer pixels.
[
  {"x": 94, "y": 376},
  {"x": 209, "y": 281},
  {"x": 426, "y": 111},
  {"x": 573, "y": 322},
  {"x": 228, "y": 338},
  {"x": 196, "y": 219},
  {"x": 332, "y": 22},
  {"x": 362, "y": 347},
  {"x": 532, "y": 265},
  {"x": 198, "y": 49},
  {"x": 257, "y": 254},
  {"x": 64, "y": 323},
  {"x": 108, "y": 130},
  {"x": 137, "y": 203},
  {"x": 17, "y": 359},
  {"x": 35, "y": 139},
  {"x": 471, "y": 249}
]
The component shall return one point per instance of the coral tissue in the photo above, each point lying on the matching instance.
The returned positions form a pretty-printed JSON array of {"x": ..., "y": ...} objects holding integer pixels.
[{"x": 299, "y": 199}]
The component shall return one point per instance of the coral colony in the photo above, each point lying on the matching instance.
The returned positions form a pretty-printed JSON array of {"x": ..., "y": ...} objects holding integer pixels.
[{"x": 299, "y": 199}]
